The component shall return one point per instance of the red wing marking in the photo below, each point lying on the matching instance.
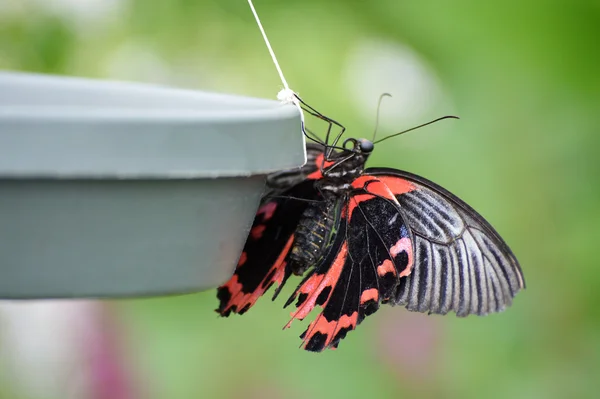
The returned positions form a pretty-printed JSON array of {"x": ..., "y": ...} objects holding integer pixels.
[
  {"x": 268, "y": 210},
  {"x": 316, "y": 175},
  {"x": 396, "y": 185},
  {"x": 381, "y": 189},
  {"x": 404, "y": 244},
  {"x": 276, "y": 273},
  {"x": 354, "y": 201},
  {"x": 372, "y": 294},
  {"x": 257, "y": 231},
  {"x": 386, "y": 267},
  {"x": 243, "y": 259},
  {"x": 361, "y": 181},
  {"x": 384, "y": 187},
  {"x": 317, "y": 283},
  {"x": 329, "y": 328}
]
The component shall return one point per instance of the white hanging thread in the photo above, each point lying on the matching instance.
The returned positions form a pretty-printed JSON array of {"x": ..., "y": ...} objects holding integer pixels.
[{"x": 285, "y": 95}]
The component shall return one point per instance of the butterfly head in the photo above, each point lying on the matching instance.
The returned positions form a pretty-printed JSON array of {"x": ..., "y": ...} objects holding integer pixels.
[
  {"x": 365, "y": 146},
  {"x": 359, "y": 147},
  {"x": 346, "y": 165}
]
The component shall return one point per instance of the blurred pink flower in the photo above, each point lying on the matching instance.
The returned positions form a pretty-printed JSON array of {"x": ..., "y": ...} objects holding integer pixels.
[
  {"x": 409, "y": 343},
  {"x": 61, "y": 349}
]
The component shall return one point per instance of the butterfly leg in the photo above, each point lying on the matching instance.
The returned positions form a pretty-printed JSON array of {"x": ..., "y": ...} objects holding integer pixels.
[{"x": 307, "y": 108}]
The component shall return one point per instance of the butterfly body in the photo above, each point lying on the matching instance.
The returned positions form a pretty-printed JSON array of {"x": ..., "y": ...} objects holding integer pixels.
[
  {"x": 318, "y": 220},
  {"x": 367, "y": 237},
  {"x": 313, "y": 235}
]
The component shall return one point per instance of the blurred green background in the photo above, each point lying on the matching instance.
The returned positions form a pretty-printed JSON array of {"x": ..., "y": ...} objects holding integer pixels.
[{"x": 524, "y": 78}]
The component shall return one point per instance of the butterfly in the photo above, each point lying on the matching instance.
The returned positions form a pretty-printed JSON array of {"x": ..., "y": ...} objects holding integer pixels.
[{"x": 366, "y": 237}]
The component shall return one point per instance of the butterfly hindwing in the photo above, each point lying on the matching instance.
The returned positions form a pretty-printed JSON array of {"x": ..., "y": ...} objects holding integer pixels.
[
  {"x": 263, "y": 260},
  {"x": 372, "y": 250},
  {"x": 461, "y": 263}
]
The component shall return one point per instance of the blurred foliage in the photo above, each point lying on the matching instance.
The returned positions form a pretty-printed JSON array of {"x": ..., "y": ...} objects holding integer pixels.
[{"x": 524, "y": 78}]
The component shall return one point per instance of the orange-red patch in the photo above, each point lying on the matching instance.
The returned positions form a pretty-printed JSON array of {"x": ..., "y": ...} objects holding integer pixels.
[
  {"x": 243, "y": 259},
  {"x": 383, "y": 186},
  {"x": 319, "y": 162},
  {"x": 386, "y": 267},
  {"x": 267, "y": 210},
  {"x": 241, "y": 300},
  {"x": 396, "y": 185},
  {"x": 354, "y": 201},
  {"x": 373, "y": 186},
  {"x": 330, "y": 328},
  {"x": 317, "y": 283},
  {"x": 371, "y": 294},
  {"x": 257, "y": 231},
  {"x": 360, "y": 181}
]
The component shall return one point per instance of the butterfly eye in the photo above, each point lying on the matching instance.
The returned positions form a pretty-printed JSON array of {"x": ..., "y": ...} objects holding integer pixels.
[{"x": 366, "y": 146}]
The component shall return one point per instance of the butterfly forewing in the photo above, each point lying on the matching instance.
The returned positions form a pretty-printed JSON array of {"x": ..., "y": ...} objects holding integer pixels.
[{"x": 461, "y": 263}]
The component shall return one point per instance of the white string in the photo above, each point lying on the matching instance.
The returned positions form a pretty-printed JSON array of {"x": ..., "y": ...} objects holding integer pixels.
[
  {"x": 286, "y": 95},
  {"x": 264, "y": 34}
]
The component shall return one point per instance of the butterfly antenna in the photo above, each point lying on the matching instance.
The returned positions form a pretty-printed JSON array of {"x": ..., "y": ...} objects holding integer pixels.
[
  {"x": 417, "y": 127},
  {"x": 377, "y": 116}
]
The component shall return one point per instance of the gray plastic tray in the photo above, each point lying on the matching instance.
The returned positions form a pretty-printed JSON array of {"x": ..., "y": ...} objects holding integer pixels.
[{"x": 122, "y": 189}]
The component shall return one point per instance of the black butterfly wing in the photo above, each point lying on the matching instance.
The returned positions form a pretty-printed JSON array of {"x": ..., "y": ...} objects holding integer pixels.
[
  {"x": 263, "y": 260},
  {"x": 372, "y": 248},
  {"x": 461, "y": 263}
]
